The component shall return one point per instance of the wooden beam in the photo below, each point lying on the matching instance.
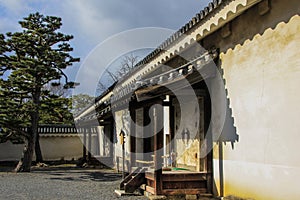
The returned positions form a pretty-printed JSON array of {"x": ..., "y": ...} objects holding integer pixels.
[
  {"x": 184, "y": 177},
  {"x": 168, "y": 87},
  {"x": 145, "y": 162},
  {"x": 264, "y": 7},
  {"x": 147, "y": 103},
  {"x": 183, "y": 191},
  {"x": 149, "y": 176},
  {"x": 150, "y": 189}
]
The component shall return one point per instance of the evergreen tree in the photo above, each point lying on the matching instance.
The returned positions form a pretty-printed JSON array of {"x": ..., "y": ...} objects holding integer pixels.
[{"x": 28, "y": 61}]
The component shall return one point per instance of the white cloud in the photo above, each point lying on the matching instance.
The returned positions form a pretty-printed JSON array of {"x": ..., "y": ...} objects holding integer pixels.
[
  {"x": 93, "y": 21},
  {"x": 96, "y": 20},
  {"x": 89, "y": 21},
  {"x": 14, "y": 6},
  {"x": 115, "y": 47}
]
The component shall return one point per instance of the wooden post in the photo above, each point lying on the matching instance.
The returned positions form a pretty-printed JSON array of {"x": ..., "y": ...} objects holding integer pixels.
[
  {"x": 118, "y": 163},
  {"x": 90, "y": 145},
  {"x": 132, "y": 138},
  {"x": 221, "y": 170},
  {"x": 209, "y": 142},
  {"x": 123, "y": 161},
  {"x": 158, "y": 148},
  {"x": 172, "y": 126},
  {"x": 111, "y": 137},
  {"x": 146, "y": 133},
  {"x": 84, "y": 144}
]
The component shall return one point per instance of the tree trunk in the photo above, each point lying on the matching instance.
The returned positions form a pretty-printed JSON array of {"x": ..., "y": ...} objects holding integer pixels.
[
  {"x": 24, "y": 164},
  {"x": 38, "y": 152}
]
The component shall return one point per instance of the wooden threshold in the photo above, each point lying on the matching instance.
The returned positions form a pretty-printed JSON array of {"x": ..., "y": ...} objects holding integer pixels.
[
  {"x": 150, "y": 189},
  {"x": 183, "y": 191}
]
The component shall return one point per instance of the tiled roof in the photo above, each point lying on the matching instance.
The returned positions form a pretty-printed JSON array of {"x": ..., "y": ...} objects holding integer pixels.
[
  {"x": 212, "y": 17},
  {"x": 56, "y": 130}
]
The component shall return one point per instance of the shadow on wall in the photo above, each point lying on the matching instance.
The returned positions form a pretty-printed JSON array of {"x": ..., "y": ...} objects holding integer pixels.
[
  {"x": 229, "y": 132},
  {"x": 250, "y": 25},
  {"x": 228, "y": 135}
]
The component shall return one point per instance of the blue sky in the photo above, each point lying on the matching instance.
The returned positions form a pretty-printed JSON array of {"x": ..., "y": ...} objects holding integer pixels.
[{"x": 93, "y": 21}]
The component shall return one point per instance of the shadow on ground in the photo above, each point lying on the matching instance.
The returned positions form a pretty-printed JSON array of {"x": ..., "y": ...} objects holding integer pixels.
[
  {"x": 7, "y": 166},
  {"x": 71, "y": 173},
  {"x": 85, "y": 176},
  {"x": 79, "y": 174}
]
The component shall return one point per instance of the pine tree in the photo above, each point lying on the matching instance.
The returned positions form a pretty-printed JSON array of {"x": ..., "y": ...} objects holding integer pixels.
[{"x": 28, "y": 61}]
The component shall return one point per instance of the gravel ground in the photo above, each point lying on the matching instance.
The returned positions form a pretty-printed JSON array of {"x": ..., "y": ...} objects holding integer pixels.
[{"x": 61, "y": 183}]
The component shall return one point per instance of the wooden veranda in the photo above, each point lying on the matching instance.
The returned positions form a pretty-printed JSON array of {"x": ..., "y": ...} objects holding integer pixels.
[{"x": 179, "y": 182}]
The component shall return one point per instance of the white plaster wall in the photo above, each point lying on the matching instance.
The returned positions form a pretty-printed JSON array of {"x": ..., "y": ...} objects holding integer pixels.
[
  {"x": 53, "y": 148},
  {"x": 101, "y": 140},
  {"x": 122, "y": 122},
  {"x": 263, "y": 78}
]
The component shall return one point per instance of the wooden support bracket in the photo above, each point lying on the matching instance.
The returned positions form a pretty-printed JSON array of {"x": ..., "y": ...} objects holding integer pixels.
[
  {"x": 226, "y": 30},
  {"x": 264, "y": 7}
]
